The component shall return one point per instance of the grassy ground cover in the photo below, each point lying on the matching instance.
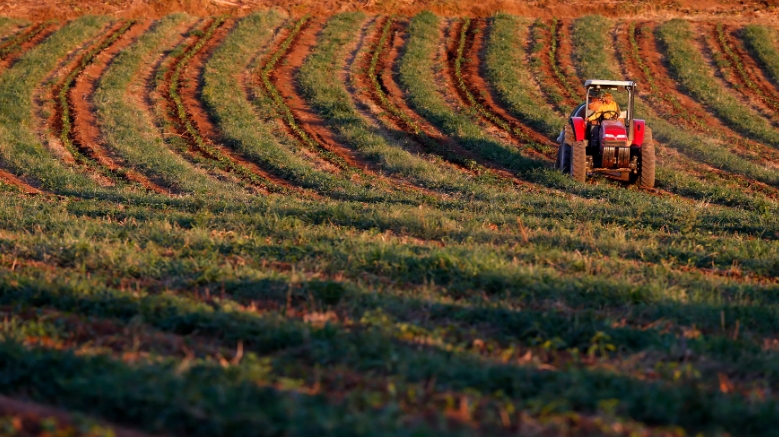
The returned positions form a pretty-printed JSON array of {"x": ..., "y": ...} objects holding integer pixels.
[
  {"x": 593, "y": 61},
  {"x": 19, "y": 146},
  {"x": 328, "y": 94},
  {"x": 512, "y": 79},
  {"x": 131, "y": 132},
  {"x": 561, "y": 308},
  {"x": 689, "y": 68},
  {"x": 761, "y": 41}
]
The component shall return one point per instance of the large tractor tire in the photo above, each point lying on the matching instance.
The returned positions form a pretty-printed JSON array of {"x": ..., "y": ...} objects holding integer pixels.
[
  {"x": 647, "y": 177},
  {"x": 578, "y": 161}
]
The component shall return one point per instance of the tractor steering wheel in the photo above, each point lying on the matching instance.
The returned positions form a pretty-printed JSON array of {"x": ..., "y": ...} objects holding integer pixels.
[{"x": 609, "y": 115}]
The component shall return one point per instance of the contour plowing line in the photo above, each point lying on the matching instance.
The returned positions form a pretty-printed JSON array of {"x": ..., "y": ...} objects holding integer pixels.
[
  {"x": 477, "y": 92},
  {"x": 84, "y": 132},
  {"x": 190, "y": 118}
]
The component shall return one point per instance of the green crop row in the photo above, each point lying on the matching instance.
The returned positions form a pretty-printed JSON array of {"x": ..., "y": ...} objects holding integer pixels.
[
  {"x": 554, "y": 55},
  {"x": 281, "y": 105},
  {"x": 761, "y": 41},
  {"x": 480, "y": 109},
  {"x": 224, "y": 161},
  {"x": 20, "y": 147},
  {"x": 742, "y": 73},
  {"x": 130, "y": 131},
  {"x": 689, "y": 68},
  {"x": 24, "y": 36},
  {"x": 64, "y": 89},
  {"x": 417, "y": 131},
  {"x": 513, "y": 81},
  {"x": 536, "y": 61}
]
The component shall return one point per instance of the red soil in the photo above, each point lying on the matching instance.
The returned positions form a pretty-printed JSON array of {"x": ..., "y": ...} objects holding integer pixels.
[
  {"x": 744, "y": 10},
  {"x": 565, "y": 57},
  {"x": 283, "y": 78},
  {"x": 473, "y": 74},
  {"x": 86, "y": 134},
  {"x": 686, "y": 112},
  {"x": 387, "y": 78},
  {"x": 190, "y": 89},
  {"x": 28, "y": 417}
]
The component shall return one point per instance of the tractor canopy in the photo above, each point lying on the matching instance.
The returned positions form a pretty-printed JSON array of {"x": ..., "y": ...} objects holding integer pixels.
[{"x": 619, "y": 130}]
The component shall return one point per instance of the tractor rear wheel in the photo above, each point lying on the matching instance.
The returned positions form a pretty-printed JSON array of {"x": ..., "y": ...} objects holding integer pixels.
[
  {"x": 578, "y": 161},
  {"x": 647, "y": 179}
]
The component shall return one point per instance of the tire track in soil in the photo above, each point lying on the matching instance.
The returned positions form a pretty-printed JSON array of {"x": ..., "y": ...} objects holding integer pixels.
[
  {"x": 480, "y": 94},
  {"x": 29, "y": 418},
  {"x": 743, "y": 75},
  {"x": 387, "y": 102},
  {"x": 682, "y": 109},
  {"x": 9, "y": 54},
  {"x": 85, "y": 133},
  {"x": 283, "y": 78},
  {"x": 201, "y": 135}
]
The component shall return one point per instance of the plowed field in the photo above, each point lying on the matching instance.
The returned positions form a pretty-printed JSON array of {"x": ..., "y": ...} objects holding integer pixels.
[{"x": 283, "y": 224}]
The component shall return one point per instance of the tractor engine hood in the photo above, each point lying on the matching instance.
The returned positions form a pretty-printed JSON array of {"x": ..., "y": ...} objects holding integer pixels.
[{"x": 613, "y": 130}]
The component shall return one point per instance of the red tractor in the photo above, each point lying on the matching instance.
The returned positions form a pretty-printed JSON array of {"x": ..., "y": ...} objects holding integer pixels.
[{"x": 607, "y": 142}]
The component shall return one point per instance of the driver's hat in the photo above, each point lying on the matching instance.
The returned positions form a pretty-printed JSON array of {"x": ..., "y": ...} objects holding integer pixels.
[{"x": 607, "y": 96}]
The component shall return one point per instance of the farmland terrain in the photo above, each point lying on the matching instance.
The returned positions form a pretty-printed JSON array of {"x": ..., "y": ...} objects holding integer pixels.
[{"x": 277, "y": 222}]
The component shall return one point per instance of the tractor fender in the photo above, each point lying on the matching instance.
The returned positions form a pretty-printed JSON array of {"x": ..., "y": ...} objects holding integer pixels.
[
  {"x": 639, "y": 127},
  {"x": 578, "y": 128}
]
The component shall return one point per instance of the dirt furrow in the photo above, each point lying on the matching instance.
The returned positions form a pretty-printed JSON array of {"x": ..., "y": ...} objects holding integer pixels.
[
  {"x": 383, "y": 99},
  {"x": 62, "y": 118},
  {"x": 85, "y": 133},
  {"x": 10, "y": 53},
  {"x": 743, "y": 76},
  {"x": 543, "y": 59},
  {"x": 564, "y": 61},
  {"x": 481, "y": 95},
  {"x": 181, "y": 88},
  {"x": 459, "y": 96},
  {"x": 679, "y": 108},
  {"x": 304, "y": 123}
]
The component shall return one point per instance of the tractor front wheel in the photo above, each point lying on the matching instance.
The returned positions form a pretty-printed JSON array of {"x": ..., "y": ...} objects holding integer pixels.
[
  {"x": 578, "y": 161},
  {"x": 647, "y": 179}
]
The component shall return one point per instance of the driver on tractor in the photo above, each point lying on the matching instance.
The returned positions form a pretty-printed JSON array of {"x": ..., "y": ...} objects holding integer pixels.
[{"x": 606, "y": 110}]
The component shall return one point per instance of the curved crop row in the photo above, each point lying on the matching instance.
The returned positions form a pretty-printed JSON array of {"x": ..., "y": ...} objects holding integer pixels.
[
  {"x": 62, "y": 95},
  {"x": 689, "y": 67},
  {"x": 19, "y": 146},
  {"x": 509, "y": 75},
  {"x": 762, "y": 43},
  {"x": 416, "y": 75},
  {"x": 466, "y": 39},
  {"x": 130, "y": 132},
  {"x": 24, "y": 36},
  {"x": 282, "y": 107},
  {"x": 543, "y": 70},
  {"x": 379, "y": 90},
  {"x": 222, "y": 159},
  {"x": 742, "y": 78}
]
